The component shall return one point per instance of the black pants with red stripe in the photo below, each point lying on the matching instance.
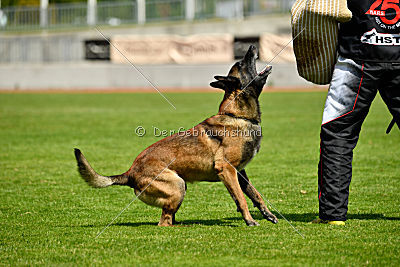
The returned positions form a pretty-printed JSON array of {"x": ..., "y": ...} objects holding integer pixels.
[{"x": 353, "y": 88}]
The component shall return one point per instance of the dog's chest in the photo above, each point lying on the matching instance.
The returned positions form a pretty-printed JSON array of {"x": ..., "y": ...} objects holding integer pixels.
[{"x": 251, "y": 144}]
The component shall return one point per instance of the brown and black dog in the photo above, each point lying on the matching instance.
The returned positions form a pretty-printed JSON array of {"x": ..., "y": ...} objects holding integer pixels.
[{"x": 213, "y": 150}]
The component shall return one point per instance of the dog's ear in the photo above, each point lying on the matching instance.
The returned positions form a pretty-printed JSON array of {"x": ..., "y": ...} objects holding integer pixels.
[
  {"x": 218, "y": 84},
  {"x": 226, "y": 83}
]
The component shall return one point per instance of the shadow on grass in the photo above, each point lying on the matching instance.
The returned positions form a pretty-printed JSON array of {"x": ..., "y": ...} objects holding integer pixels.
[
  {"x": 136, "y": 224},
  {"x": 224, "y": 222},
  {"x": 184, "y": 223},
  {"x": 308, "y": 217},
  {"x": 228, "y": 221}
]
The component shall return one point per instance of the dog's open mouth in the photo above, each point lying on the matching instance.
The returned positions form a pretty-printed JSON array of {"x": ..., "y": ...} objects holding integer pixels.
[
  {"x": 266, "y": 70},
  {"x": 252, "y": 58}
]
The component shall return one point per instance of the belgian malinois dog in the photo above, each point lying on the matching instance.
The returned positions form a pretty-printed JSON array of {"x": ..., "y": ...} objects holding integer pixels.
[{"x": 214, "y": 150}]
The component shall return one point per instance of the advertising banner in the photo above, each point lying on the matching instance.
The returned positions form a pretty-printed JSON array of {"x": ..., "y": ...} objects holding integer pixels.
[
  {"x": 173, "y": 49},
  {"x": 141, "y": 49},
  {"x": 97, "y": 50}
]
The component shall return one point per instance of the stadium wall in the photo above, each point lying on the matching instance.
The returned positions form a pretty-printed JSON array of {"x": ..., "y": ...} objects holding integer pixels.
[
  {"x": 51, "y": 60},
  {"x": 104, "y": 76}
]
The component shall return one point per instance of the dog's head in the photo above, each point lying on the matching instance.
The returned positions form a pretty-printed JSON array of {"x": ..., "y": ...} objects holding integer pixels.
[
  {"x": 242, "y": 86},
  {"x": 243, "y": 76}
]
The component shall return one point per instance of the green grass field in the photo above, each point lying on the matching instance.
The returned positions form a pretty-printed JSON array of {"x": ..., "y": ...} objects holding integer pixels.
[{"x": 50, "y": 216}]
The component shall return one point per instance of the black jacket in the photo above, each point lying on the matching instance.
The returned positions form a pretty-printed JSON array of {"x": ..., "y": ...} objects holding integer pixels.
[{"x": 373, "y": 34}]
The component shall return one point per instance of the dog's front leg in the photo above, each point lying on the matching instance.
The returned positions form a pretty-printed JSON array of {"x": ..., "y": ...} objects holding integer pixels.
[
  {"x": 249, "y": 189},
  {"x": 228, "y": 176}
]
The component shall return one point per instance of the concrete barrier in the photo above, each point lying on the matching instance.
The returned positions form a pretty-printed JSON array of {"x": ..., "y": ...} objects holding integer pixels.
[{"x": 102, "y": 75}]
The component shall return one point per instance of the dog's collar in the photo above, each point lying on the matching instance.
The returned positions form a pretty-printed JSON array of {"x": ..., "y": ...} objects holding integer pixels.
[{"x": 253, "y": 121}]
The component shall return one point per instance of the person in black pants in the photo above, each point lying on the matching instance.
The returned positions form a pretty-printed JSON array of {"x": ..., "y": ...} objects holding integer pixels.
[{"x": 369, "y": 61}]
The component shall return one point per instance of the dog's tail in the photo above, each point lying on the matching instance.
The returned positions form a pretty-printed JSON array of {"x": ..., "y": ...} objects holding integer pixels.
[{"x": 93, "y": 178}]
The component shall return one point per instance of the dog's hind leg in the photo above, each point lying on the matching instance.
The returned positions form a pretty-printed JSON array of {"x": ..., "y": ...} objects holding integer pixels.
[
  {"x": 255, "y": 196},
  {"x": 173, "y": 203},
  {"x": 166, "y": 192},
  {"x": 173, "y": 216}
]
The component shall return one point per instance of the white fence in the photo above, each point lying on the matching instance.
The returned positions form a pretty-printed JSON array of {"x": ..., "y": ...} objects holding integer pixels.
[{"x": 132, "y": 12}]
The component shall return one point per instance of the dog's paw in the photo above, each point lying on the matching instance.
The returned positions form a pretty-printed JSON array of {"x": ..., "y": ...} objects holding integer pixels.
[
  {"x": 252, "y": 223},
  {"x": 274, "y": 220},
  {"x": 270, "y": 217}
]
